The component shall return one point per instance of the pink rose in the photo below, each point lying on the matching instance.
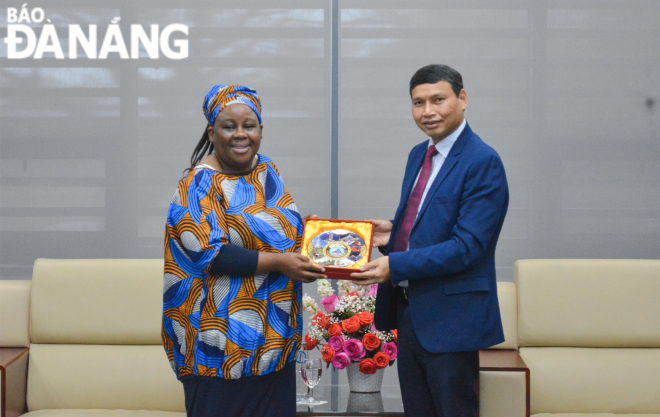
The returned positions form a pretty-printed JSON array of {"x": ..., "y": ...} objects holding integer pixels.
[
  {"x": 389, "y": 349},
  {"x": 340, "y": 360},
  {"x": 354, "y": 349},
  {"x": 336, "y": 343},
  {"x": 373, "y": 290},
  {"x": 329, "y": 303}
]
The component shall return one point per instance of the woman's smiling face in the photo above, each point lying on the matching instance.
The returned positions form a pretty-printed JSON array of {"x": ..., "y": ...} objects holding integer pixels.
[{"x": 236, "y": 137}]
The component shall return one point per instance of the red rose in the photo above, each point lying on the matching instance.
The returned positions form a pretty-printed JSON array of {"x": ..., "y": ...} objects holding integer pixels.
[
  {"x": 311, "y": 343},
  {"x": 365, "y": 318},
  {"x": 367, "y": 366},
  {"x": 381, "y": 360},
  {"x": 334, "y": 329},
  {"x": 328, "y": 354},
  {"x": 320, "y": 319},
  {"x": 354, "y": 293},
  {"x": 351, "y": 325},
  {"x": 370, "y": 341},
  {"x": 394, "y": 333}
]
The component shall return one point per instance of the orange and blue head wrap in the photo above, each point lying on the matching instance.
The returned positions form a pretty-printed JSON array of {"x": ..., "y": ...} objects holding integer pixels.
[{"x": 221, "y": 96}]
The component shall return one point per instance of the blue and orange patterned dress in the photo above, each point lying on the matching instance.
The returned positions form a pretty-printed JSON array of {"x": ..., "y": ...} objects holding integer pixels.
[{"x": 229, "y": 326}]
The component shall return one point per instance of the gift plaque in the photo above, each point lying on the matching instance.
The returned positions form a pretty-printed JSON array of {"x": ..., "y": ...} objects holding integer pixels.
[{"x": 340, "y": 246}]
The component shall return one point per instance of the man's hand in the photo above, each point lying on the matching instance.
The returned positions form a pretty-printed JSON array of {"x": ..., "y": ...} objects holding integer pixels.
[
  {"x": 382, "y": 231},
  {"x": 376, "y": 272}
]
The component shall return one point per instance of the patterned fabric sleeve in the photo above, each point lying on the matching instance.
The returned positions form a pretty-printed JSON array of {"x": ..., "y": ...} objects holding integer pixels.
[{"x": 198, "y": 230}]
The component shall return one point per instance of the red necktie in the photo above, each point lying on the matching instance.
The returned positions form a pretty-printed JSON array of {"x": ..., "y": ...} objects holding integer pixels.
[{"x": 415, "y": 199}]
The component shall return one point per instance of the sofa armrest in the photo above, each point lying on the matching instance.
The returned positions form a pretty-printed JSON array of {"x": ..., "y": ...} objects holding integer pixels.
[
  {"x": 13, "y": 373},
  {"x": 504, "y": 374}
]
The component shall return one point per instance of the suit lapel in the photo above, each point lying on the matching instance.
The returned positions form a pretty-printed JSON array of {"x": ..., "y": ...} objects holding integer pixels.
[{"x": 452, "y": 159}]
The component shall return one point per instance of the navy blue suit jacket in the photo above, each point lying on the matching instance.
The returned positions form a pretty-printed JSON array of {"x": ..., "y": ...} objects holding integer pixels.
[{"x": 450, "y": 264}]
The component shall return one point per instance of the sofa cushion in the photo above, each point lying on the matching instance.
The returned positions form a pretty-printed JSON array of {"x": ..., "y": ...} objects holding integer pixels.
[
  {"x": 508, "y": 300},
  {"x": 588, "y": 303},
  {"x": 97, "y": 301},
  {"x": 102, "y": 413},
  {"x": 14, "y": 313},
  {"x": 102, "y": 377},
  {"x": 588, "y": 380}
]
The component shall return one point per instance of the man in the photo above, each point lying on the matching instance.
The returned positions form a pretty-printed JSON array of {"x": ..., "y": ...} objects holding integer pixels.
[{"x": 437, "y": 282}]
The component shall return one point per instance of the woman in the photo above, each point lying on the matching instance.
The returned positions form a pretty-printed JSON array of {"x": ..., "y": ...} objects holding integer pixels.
[{"x": 233, "y": 275}]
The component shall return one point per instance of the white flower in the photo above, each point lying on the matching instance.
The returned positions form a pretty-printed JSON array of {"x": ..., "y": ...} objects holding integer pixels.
[
  {"x": 316, "y": 333},
  {"x": 384, "y": 336},
  {"x": 309, "y": 305},
  {"x": 324, "y": 288},
  {"x": 346, "y": 287}
]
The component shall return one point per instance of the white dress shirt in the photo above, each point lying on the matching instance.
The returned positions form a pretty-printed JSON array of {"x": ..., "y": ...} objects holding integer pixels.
[{"x": 443, "y": 147}]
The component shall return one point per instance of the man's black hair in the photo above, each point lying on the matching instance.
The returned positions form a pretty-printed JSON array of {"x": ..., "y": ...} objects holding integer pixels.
[{"x": 434, "y": 73}]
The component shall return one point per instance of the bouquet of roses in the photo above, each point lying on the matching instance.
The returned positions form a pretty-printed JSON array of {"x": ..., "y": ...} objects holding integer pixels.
[{"x": 345, "y": 332}]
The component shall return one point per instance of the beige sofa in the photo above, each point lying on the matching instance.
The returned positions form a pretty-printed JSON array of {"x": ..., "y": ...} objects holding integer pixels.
[
  {"x": 94, "y": 345},
  {"x": 589, "y": 331},
  {"x": 94, "y": 338}
]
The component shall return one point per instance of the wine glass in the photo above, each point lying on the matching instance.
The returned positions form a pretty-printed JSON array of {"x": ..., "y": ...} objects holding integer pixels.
[
  {"x": 311, "y": 369},
  {"x": 302, "y": 390}
]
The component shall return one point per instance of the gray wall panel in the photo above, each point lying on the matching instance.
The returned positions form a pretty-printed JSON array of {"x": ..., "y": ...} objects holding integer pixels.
[
  {"x": 91, "y": 150},
  {"x": 566, "y": 91}
]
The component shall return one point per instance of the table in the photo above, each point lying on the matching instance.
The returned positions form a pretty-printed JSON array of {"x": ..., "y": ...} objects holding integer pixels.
[{"x": 342, "y": 402}]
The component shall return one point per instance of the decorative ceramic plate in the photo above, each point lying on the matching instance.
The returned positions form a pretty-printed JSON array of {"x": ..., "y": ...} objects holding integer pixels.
[{"x": 337, "y": 248}]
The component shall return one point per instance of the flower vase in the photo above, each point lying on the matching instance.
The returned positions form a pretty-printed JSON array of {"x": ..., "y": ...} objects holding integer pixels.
[
  {"x": 359, "y": 382},
  {"x": 365, "y": 402}
]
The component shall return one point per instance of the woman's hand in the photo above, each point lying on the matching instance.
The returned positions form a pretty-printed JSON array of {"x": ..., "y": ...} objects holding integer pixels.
[
  {"x": 300, "y": 268},
  {"x": 382, "y": 231},
  {"x": 292, "y": 265},
  {"x": 309, "y": 217}
]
